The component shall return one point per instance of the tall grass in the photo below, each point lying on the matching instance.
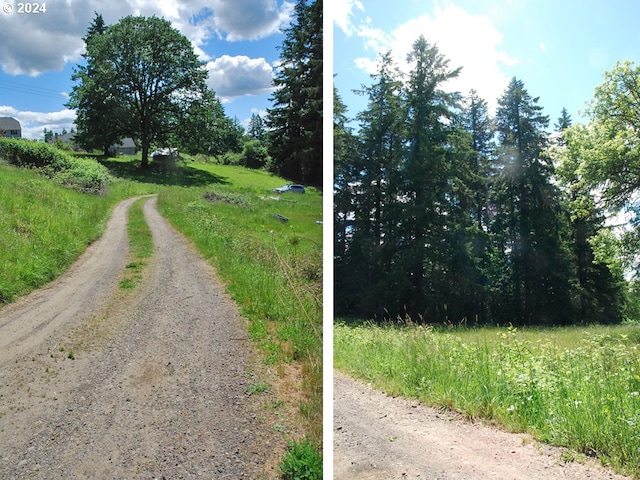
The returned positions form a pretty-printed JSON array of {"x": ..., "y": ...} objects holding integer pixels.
[
  {"x": 585, "y": 397},
  {"x": 43, "y": 228},
  {"x": 272, "y": 268}
]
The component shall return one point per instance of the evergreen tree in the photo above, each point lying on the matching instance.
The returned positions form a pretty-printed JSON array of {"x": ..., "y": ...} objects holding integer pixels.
[
  {"x": 346, "y": 287},
  {"x": 256, "y": 127},
  {"x": 101, "y": 119},
  {"x": 427, "y": 186},
  {"x": 295, "y": 121},
  {"x": 374, "y": 209},
  {"x": 531, "y": 219},
  {"x": 564, "y": 121},
  {"x": 474, "y": 119}
]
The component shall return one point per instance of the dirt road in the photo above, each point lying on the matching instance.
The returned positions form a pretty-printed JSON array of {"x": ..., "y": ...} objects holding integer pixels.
[
  {"x": 380, "y": 437},
  {"x": 99, "y": 382}
]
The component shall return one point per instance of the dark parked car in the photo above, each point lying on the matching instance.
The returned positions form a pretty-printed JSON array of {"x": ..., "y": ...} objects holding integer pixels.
[{"x": 290, "y": 188}]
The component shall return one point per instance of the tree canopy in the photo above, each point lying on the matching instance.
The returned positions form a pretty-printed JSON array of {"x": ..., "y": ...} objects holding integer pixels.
[
  {"x": 444, "y": 213},
  {"x": 143, "y": 79}
]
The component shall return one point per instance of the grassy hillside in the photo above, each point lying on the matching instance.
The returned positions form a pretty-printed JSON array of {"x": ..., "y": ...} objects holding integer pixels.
[{"x": 43, "y": 228}]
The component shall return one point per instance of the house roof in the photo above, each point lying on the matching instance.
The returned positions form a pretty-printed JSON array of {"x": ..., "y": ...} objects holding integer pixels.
[
  {"x": 127, "y": 142},
  {"x": 8, "y": 123}
]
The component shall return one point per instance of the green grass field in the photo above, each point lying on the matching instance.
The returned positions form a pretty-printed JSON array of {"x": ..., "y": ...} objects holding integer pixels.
[
  {"x": 272, "y": 267},
  {"x": 574, "y": 387}
]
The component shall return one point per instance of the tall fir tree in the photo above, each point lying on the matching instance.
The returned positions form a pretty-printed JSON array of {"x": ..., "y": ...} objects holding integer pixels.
[
  {"x": 101, "y": 118},
  {"x": 531, "y": 216},
  {"x": 295, "y": 121},
  {"x": 374, "y": 208},
  {"x": 425, "y": 190}
]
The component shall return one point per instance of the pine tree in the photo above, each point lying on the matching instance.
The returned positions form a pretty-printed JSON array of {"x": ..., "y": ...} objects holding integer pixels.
[
  {"x": 374, "y": 208},
  {"x": 531, "y": 215},
  {"x": 295, "y": 121},
  {"x": 427, "y": 184},
  {"x": 256, "y": 127}
]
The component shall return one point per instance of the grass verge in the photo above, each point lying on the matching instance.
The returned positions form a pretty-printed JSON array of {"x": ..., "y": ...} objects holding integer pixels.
[
  {"x": 575, "y": 387},
  {"x": 140, "y": 245}
]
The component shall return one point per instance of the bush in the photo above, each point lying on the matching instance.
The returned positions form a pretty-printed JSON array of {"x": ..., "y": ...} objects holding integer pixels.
[
  {"x": 301, "y": 462},
  {"x": 84, "y": 175},
  {"x": 254, "y": 155},
  {"x": 81, "y": 174},
  {"x": 28, "y": 153}
]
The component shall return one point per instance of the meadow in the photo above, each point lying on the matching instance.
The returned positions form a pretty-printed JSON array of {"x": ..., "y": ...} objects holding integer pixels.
[
  {"x": 576, "y": 387},
  {"x": 267, "y": 249}
]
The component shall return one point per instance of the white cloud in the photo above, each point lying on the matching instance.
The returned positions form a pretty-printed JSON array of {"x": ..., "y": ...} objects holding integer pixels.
[
  {"x": 236, "y": 76},
  {"x": 342, "y": 11},
  {"x": 543, "y": 47},
  {"x": 250, "y": 19},
  {"x": 34, "y": 123},
  {"x": 466, "y": 40},
  {"x": 46, "y": 42}
]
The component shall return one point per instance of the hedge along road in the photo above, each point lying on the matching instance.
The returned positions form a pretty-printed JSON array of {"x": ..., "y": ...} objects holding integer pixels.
[{"x": 99, "y": 382}]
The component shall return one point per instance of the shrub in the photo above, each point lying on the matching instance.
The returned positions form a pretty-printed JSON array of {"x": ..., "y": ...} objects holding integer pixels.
[
  {"x": 81, "y": 174},
  {"x": 28, "y": 153},
  {"x": 254, "y": 155}
]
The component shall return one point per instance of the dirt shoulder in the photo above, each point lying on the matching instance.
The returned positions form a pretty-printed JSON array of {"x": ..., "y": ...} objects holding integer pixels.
[
  {"x": 382, "y": 437},
  {"x": 97, "y": 382}
]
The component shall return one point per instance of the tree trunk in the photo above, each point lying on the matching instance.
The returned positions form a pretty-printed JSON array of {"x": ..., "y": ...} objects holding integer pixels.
[{"x": 144, "y": 164}]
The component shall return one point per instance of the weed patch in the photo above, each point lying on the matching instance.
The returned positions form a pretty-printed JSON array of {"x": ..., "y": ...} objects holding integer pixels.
[{"x": 301, "y": 462}]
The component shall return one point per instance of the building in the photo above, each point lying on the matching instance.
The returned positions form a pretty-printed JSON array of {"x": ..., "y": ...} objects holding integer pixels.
[
  {"x": 127, "y": 147},
  {"x": 10, "y": 128}
]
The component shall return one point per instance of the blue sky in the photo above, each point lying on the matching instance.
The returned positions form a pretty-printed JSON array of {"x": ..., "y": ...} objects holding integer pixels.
[
  {"x": 237, "y": 39},
  {"x": 558, "y": 48}
]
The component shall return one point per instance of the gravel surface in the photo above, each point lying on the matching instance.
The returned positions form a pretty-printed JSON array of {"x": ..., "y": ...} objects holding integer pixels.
[
  {"x": 382, "y": 437},
  {"x": 101, "y": 382}
]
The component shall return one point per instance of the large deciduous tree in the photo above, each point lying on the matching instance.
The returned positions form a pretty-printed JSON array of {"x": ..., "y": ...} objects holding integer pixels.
[
  {"x": 295, "y": 121},
  {"x": 147, "y": 71}
]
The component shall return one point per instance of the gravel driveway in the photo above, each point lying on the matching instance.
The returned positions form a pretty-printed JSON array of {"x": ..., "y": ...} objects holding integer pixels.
[{"x": 100, "y": 382}]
